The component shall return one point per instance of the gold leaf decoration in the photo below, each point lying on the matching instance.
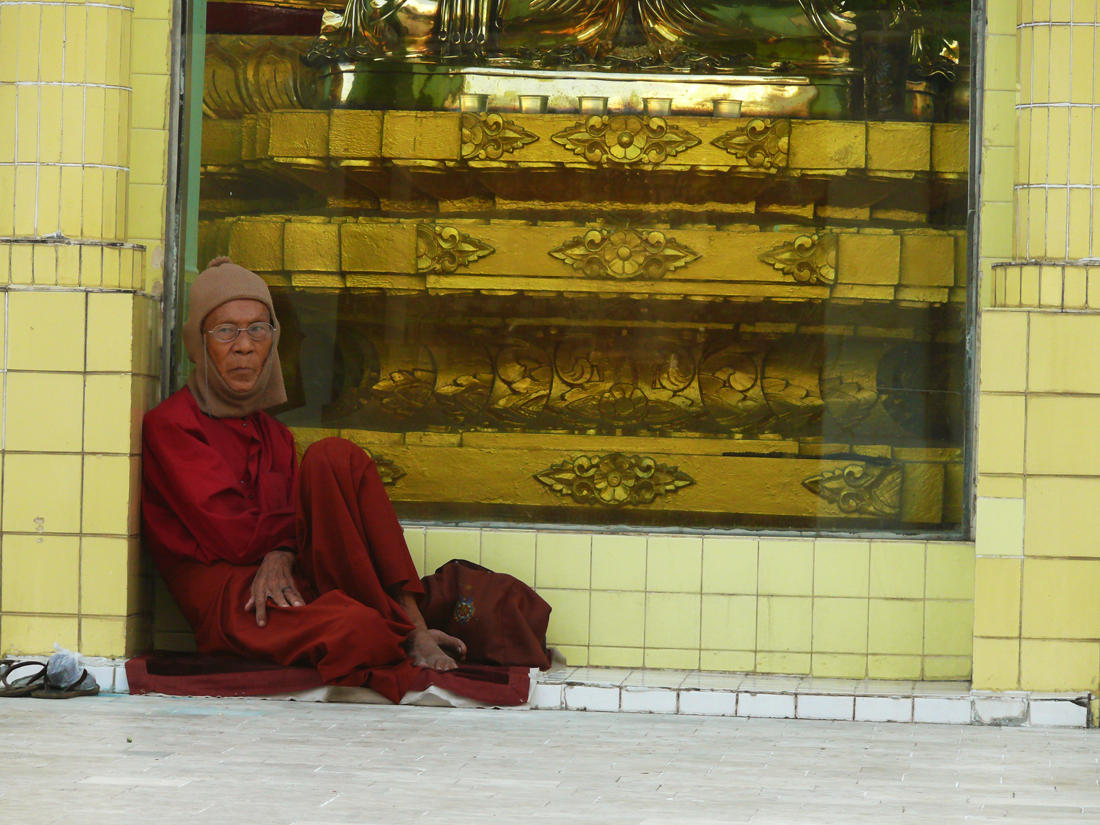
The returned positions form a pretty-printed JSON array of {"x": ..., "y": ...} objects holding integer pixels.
[
  {"x": 444, "y": 249},
  {"x": 489, "y": 136},
  {"x": 389, "y": 470},
  {"x": 867, "y": 489},
  {"x": 624, "y": 254},
  {"x": 809, "y": 259},
  {"x": 763, "y": 144},
  {"x": 405, "y": 392},
  {"x": 625, "y": 140},
  {"x": 613, "y": 480},
  {"x": 243, "y": 78}
]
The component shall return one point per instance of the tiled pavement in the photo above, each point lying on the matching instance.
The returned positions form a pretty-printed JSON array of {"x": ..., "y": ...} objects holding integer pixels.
[{"x": 146, "y": 759}]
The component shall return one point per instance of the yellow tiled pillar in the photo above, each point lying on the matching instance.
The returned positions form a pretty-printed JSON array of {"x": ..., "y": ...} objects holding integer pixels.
[
  {"x": 82, "y": 316},
  {"x": 1036, "y": 609}
]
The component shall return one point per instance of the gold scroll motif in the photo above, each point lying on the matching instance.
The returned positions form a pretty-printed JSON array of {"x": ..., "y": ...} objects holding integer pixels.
[
  {"x": 250, "y": 75},
  {"x": 763, "y": 144},
  {"x": 613, "y": 480},
  {"x": 443, "y": 249},
  {"x": 809, "y": 259},
  {"x": 490, "y": 136},
  {"x": 389, "y": 470},
  {"x": 867, "y": 489},
  {"x": 625, "y": 140},
  {"x": 624, "y": 254},
  {"x": 305, "y": 437}
]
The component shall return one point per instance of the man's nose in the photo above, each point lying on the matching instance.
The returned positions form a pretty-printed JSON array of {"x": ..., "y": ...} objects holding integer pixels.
[{"x": 244, "y": 343}]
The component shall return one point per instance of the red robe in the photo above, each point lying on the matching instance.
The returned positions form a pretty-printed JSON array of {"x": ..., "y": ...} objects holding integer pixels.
[{"x": 218, "y": 494}]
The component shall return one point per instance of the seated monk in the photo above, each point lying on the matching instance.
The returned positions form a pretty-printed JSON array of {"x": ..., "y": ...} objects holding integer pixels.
[{"x": 267, "y": 559}]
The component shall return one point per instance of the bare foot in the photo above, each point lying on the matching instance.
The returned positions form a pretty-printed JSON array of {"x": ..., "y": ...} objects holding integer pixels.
[
  {"x": 425, "y": 651},
  {"x": 452, "y": 643}
]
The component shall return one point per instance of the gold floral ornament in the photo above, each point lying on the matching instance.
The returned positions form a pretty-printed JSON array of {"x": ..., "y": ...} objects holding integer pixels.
[
  {"x": 624, "y": 254},
  {"x": 389, "y": 470},
  {"x": 809, "y": 259},
  {"x": 489, "y": 137},
  {"x": 625, "y": 140},
  {"x": 443, "y": 249},
  {"x": 864, "y": 489},
  {"x": 613, "y": 480},
  {"x": 763, "y": 144},
  {"x": 404, "y": 393}
]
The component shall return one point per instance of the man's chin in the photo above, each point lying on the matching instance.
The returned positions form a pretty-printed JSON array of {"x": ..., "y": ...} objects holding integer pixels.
[{"x": 241, "y": 384}]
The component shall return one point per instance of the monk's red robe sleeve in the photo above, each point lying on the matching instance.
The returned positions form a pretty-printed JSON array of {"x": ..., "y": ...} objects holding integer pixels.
[{"x": 195, "y": 506}]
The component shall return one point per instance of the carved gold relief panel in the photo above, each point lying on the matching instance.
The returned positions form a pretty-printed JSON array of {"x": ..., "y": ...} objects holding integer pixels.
[{"x": 454, "y": 373}]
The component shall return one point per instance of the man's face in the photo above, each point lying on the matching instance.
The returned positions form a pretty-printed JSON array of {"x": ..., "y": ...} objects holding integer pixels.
[{"x": 238, "y": 362}]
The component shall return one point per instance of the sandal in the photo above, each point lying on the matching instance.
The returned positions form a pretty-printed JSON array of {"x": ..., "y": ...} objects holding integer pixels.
[
  {"x": 83, "y": 685},
  {"x": 22, "y": 685}
]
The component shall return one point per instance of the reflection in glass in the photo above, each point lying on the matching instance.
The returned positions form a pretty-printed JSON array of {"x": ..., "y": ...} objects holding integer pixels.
[{"x": 734, "y": 296}]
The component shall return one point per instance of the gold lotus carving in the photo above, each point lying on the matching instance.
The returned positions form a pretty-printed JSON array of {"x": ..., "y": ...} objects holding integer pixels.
[
  {"x": 809, "y": 259},
  {"x": 624, "y": 254},
  {"x": 613, "y": 480},
  {"x": 625, "y": 140},
  {"x": 763, "y": 144},
  {"x": 490, "y": 136},
  {"x": 443, "y": 249},
  {"x": 389, "y": 470},
  {"x": 869, "y": 489}
]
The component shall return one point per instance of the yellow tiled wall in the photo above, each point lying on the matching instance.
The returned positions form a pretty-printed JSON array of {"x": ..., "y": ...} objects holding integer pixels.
[
  {"x": 83, "y": 169},
  {"x": 831, "y": 607},
  {"x": 1036, "y": 612}
]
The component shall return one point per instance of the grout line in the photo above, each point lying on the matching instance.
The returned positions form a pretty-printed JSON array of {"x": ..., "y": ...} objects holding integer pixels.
[
  {"x": 61, "y": 148},
  {"x": 63, "y": 4},
  {"x": 84, "y": 148},
  {"x": 1023, "y": 519},
  {"x": 1057, "y": 105},
  {"x": 38, "y": 142},
  {"x": 66, "y": 164},
  {"x": 1049, "y": 24},
  {"x": 1046, "y": 172},
  {"x": 68, "y": 83},
  {"x": 645, "y": 599},
  {"x": 1069, "y": 154},
  {"x": 1020, "y": 186},
  {"x": 1092, "y": 159},
  {"x": 1031, "y": 154},
  {"x": 756, "y": 595}
]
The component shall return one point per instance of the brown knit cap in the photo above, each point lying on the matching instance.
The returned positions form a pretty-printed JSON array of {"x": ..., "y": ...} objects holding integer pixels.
[{"x": 223, "y": 281}]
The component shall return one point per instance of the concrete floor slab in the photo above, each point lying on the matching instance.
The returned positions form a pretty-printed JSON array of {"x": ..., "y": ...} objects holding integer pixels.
[{"x": 243, "y": 761}]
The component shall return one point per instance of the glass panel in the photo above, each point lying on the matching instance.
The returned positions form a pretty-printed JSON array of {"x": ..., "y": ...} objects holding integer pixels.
[{"x": 679, "y": 263}]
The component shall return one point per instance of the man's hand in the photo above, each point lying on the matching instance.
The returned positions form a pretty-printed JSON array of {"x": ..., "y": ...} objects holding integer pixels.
[{"x": 274, "y": 581}]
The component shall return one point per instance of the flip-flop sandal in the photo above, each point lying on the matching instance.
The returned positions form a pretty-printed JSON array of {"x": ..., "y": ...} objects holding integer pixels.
[
  {"x": 84, "y": 685},
  {"x": 21, "y": 685}
]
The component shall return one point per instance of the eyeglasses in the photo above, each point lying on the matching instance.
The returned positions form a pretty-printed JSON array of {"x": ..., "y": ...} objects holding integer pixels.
[{"x": 227, "y": 333}]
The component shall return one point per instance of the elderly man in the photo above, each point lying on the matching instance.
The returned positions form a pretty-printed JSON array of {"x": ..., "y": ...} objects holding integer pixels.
[{"x": 298, "y": 565}]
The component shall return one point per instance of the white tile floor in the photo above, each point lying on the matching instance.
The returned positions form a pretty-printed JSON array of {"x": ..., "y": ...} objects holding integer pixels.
[{"x": 144, "y": 759}]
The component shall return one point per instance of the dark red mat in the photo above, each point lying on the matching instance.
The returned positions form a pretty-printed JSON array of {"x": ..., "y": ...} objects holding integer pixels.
[{"x": 197, "y": 674}]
